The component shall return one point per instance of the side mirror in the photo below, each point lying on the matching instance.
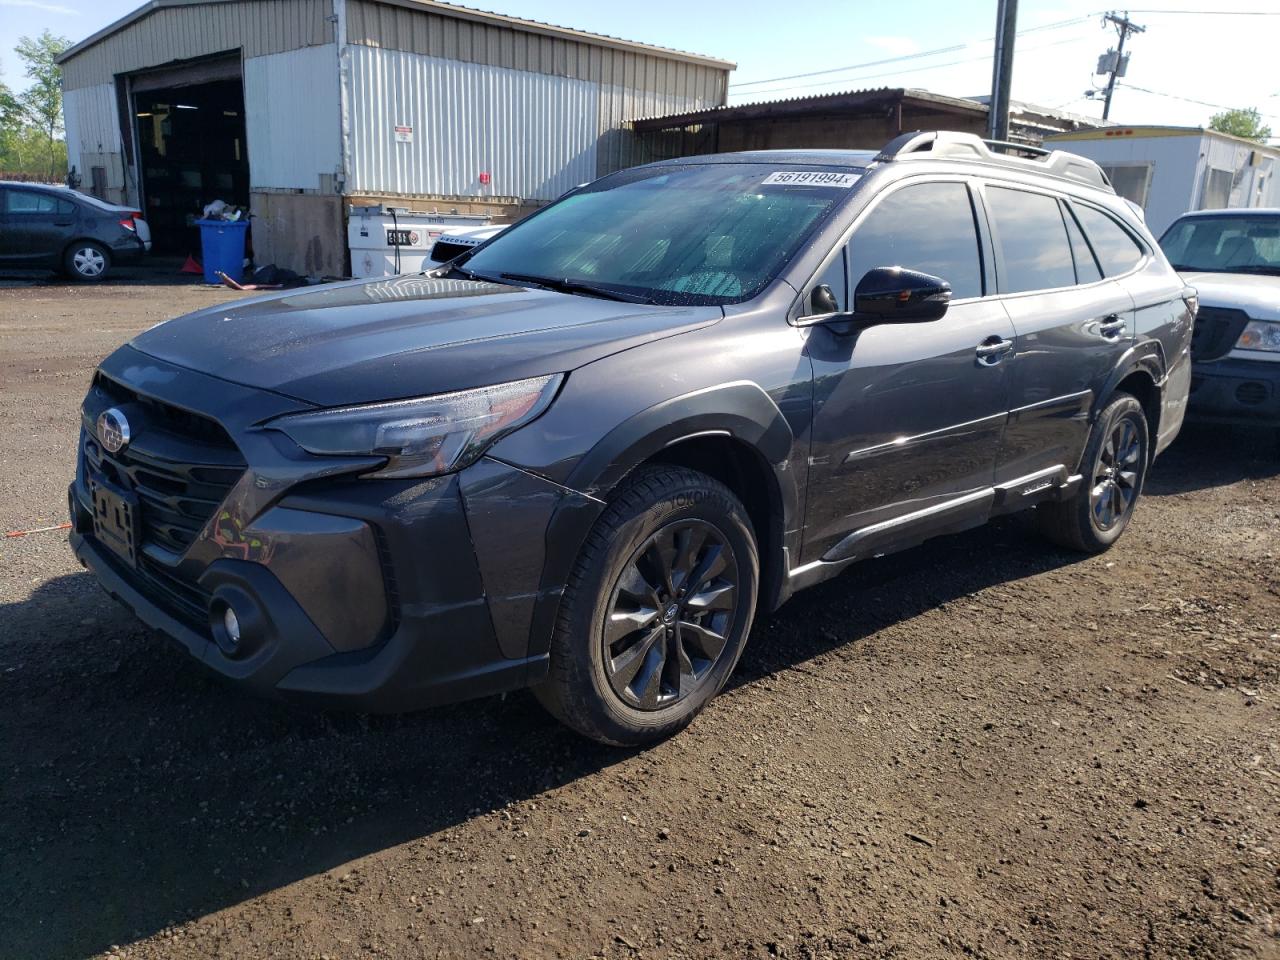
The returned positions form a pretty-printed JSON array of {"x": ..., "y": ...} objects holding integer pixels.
[{"x": 898, "y": 295}]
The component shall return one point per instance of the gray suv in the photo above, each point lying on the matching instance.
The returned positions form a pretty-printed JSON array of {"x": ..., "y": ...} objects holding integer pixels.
[{"x": 582, "y": 455}]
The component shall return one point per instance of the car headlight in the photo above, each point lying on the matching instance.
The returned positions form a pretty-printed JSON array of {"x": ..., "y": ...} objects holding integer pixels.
[
  {"x": 426, "y": 436},
  {"x": 1260, "y": 335}
]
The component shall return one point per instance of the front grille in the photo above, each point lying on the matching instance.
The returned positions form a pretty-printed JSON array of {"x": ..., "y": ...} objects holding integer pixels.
[
  {"x": 1216, "y": 331},
  {"x": 181, "y": 466}
]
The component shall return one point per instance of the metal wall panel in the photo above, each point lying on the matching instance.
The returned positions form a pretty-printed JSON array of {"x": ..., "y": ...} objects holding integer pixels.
[
  {"x": 435, "y": 35},
  {"x": 534, "y": 134},
  {"x": 259, "y": 27},
  {"x": 92, "y": 124},
  {"x": 292, "y": 119}
]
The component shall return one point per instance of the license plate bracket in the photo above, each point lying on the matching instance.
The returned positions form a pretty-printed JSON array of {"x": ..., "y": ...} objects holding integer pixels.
[{"x": 116, "y": 521}]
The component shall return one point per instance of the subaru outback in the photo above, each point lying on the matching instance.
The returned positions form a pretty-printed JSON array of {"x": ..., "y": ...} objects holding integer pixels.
[{"x": 582, "y": 455}]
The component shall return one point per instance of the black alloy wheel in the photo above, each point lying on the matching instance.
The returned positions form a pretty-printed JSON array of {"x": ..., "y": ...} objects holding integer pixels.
[
  {"x": 671, "y": 614},
  {"x": 1116, "y": 474}
]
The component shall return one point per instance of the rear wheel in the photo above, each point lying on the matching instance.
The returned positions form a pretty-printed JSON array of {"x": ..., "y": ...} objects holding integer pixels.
[
  {"x": 1114, "y": 469},
  {"x": 86, "y": 260},
  {"x": 656, "y": 611}
]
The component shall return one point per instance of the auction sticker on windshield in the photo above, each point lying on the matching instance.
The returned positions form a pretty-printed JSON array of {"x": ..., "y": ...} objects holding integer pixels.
[{"x": 813, "y": 178}]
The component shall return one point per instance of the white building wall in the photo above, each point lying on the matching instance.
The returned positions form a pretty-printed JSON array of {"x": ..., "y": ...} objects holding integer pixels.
[
  {"x": 536, "y": 135},
  {"x": 93, "y": 138},
  {"x": 292, "y": 121}
]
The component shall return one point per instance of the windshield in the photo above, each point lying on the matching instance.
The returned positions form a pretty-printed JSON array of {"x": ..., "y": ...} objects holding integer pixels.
[
  {"x": 1234, "y": 244},
  {"x": 692, "y": 234}
]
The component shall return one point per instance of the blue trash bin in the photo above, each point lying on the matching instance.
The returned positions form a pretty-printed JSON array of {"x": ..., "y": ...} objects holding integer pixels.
[{"x": 222, "y": 248}]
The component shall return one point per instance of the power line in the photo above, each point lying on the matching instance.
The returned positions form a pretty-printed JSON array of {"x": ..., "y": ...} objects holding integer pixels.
[
  {"x": 1201, "y": 103},
  {"x": 1214, "y": 13},
  {"x": 896, "y": 73},
  {"x": 910, "y": 56}
]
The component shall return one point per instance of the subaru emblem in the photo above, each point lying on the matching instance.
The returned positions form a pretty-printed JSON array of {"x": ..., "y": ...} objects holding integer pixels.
[{"x": 113, "y": 430}]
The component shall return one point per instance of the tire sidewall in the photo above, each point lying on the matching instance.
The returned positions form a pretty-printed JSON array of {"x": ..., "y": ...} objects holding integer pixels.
[
  {"x": 712, "y": 504},
  {"x": 1121, "y": 407}
]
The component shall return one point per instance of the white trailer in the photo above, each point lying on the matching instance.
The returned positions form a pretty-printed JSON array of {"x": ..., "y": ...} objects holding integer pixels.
[{"x": 1170, "y": 170}]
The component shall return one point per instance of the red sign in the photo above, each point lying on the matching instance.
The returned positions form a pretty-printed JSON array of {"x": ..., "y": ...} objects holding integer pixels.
[{"x": 484, "y": 178}]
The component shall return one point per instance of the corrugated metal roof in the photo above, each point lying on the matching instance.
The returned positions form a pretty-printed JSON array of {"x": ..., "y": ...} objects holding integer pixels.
[
  {"x": 815, "y": 103},
  {"x": 447, "y": 9}
]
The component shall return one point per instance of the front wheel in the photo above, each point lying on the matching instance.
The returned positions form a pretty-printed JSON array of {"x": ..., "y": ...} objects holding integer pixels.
[
  {"x": 1114, "y": 469},
  {"x": 86, "y": 260},
  {"x": 656, "y": 611}
]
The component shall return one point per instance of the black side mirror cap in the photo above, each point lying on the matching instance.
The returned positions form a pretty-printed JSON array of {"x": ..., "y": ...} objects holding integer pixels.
[{"x": 899, "y": 295}]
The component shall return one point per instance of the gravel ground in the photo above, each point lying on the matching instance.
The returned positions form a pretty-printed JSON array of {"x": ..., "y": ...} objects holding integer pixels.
[{"x": 984, "y": 747}]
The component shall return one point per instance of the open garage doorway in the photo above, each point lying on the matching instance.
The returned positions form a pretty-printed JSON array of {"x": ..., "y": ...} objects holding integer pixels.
[{"x": 191, "y": 148}]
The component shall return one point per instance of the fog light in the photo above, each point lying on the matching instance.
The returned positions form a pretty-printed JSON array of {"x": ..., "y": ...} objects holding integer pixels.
[{"x": 231, "y": 623}]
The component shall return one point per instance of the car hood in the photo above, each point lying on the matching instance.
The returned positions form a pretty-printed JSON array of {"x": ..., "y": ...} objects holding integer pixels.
[
  {"x": 407, "y": 336},
  {"x": 1257, "y": 295}
]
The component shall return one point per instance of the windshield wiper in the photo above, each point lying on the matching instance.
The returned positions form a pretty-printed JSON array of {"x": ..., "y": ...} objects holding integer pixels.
[
  {"x": 565, "y": 285},
  {"x": 1253, "y": 268}
]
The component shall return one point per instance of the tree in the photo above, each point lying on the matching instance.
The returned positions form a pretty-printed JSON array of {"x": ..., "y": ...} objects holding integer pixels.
[
  {"x": 1245, "y": 122},
  {"x": 41, "y": 102}
]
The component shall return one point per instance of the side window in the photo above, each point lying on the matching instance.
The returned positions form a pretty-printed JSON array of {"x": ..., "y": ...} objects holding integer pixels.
[
  {"x": 1032, "y": 239},
  {"x": 1117, "y": 251},
  {"x": 66, "y": 208},
  {"x": 1087, "y": 270},
  {"x": 927, "y": 227},
  {"x": 28, "y": 201},
  {"x": 834, "y": 277}
]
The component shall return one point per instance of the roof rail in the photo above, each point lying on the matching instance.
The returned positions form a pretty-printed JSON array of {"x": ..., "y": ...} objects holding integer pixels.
[{"x": 950, "y": 145}]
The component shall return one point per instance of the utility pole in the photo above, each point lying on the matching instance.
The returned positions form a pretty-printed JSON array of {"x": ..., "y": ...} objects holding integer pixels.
[
  {"x": 1125, "y": 26},
  {"x": 1002, "y": 71}
]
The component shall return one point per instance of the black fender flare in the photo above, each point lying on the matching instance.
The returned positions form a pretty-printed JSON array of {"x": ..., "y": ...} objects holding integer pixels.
[
  {"x": 1146, "y": 356},
  {"x": 741, "y": 410}
]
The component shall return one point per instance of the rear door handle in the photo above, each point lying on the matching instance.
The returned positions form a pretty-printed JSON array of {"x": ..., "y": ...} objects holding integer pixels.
[
  {"x": 1111, "y": 328},
  {"x": 994, "y": 349}
]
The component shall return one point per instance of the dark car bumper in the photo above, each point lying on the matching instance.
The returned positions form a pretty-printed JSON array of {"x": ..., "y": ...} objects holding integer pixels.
[
  {"x": 376, "y": 595},
  {"x": 128, "y": 249},
  {"x": 1233, "y": 391}
]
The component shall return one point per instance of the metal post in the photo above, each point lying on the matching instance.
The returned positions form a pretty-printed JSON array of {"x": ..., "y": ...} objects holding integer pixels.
[{"x": 1002, "y": 71}]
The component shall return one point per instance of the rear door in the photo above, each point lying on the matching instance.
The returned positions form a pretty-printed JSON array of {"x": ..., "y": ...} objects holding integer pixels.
[
  {"x": 1072, "y": 326},
  {"x": 37, "y": 226},
  {"x": 1160, "y": 314},
  {"x": 907, "y": 416}
]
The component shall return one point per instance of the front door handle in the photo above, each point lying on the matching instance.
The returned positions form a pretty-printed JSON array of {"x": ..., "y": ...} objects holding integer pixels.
[
  {"x": 1111, "y": 328},
  {"x": 994, "y": 349}
]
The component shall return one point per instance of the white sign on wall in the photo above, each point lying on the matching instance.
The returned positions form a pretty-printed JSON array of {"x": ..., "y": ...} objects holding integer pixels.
[{"x": 404, "y": 134}]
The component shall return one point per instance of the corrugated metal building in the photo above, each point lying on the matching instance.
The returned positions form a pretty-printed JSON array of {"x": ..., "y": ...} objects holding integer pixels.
[
  {"x": 853, "y": 119},
  {"x": 295, "y": 106}
]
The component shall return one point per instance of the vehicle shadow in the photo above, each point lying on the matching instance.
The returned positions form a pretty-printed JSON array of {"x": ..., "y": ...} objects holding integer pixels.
[
  {"x": 142, "y": 790},
  {"x": 1210, "y": 456},
  {"x": 153, "y": 271}
]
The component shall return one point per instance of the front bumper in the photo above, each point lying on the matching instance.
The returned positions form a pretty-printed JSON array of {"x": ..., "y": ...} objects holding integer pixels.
[
  {"x": 376, "y": 595},
  {"x": 1235, "y": 391}
]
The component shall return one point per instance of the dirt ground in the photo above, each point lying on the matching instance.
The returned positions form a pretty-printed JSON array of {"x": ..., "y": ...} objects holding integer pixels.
[{"x": 984, "y": 747}]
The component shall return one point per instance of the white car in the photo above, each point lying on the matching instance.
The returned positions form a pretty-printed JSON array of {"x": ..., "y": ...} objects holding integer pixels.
[
  {"x": 1232, "y": 258},
  {"x": 453, "y": 243}
]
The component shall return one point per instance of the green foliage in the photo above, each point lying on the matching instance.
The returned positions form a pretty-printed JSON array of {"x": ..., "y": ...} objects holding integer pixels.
[
  {"x": 31, "y": 133},
  {"x": 1245, "y": 122}
]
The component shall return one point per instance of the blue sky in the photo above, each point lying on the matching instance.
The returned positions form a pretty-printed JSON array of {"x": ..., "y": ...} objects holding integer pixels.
[{"x": 1217, "y": 60}]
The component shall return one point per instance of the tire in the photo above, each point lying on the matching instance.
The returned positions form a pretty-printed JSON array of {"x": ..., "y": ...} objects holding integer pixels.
[
  {"x": 1114, "y": 467},
  {"x": 669, "y": 647},
  {"x": 86, "y": 260}
]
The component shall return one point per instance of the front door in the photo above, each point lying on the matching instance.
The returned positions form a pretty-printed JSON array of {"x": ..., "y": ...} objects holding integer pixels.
[
  {"x": 907, "y": 416},
  {"x": 37, "y": 224}
]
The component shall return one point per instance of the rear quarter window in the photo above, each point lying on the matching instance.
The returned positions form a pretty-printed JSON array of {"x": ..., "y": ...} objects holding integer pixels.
[{"x": 1117, "y": 250}]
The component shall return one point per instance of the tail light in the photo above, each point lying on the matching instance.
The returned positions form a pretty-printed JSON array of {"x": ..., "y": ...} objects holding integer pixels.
[{"x": 127, "y": 222}]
